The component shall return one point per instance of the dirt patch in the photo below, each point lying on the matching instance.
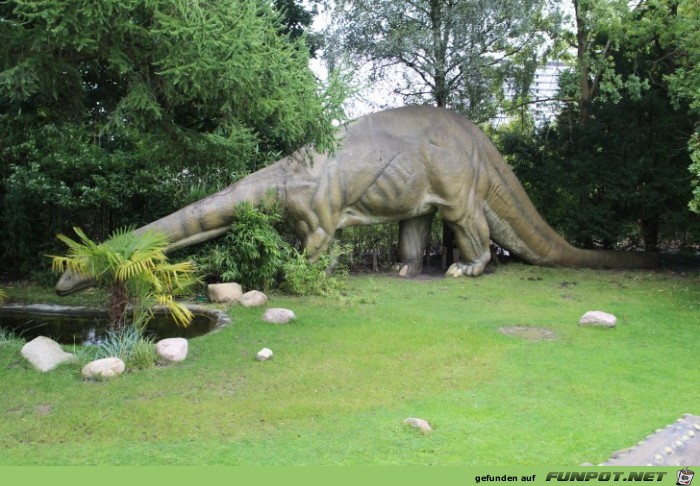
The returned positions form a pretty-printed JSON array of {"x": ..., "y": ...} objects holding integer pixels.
[
  {"x": 529, "y": 333},
  {"x": 43, "y": 409}
]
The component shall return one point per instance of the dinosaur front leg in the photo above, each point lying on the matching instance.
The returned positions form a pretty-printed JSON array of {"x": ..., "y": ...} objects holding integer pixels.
[
  {"x": 413, "y": 239},
  {"x": 472, "y": 237},
  {"x": 314, "y": 238},
  {"x": 316, "y": 242}
]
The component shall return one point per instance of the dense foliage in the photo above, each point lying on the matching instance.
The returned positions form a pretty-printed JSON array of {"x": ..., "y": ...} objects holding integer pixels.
[
  {"x": 116, "y": 112},
  {"x": 613, "y": 166},
  {"x": 251, "y": 253}
]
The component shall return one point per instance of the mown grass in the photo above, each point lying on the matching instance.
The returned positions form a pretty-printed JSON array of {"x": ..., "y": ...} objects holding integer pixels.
[{"x": 349, "y": 370}]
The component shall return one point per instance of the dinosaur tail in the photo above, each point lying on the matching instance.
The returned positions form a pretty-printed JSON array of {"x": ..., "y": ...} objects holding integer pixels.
[{"x": 515, "y": 224}]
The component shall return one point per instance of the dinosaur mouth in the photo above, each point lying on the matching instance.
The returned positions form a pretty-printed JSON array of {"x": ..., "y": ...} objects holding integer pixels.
[{"x": 70, "y": 283}]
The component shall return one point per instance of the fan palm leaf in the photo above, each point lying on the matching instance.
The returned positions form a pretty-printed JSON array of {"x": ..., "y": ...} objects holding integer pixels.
[{"x": 135, "y": 264}]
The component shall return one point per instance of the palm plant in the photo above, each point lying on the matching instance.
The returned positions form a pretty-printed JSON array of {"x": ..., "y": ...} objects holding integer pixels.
[{"x": 135, "y": 270}]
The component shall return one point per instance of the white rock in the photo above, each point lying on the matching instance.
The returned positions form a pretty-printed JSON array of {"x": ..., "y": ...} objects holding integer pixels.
[
  {"x": 45, "y": 353},
  {"x": 420, "y": 424},
  {"x": 254, "y": 298},
  {"x": 225, "y": 292},
  {"x": 264, "y": 354},
  {"x": 278, "y": 316},
  {"x": 598, "y": 319},
  {"x": 104, "y": 368},
  {"x": 172, "y": 349}
]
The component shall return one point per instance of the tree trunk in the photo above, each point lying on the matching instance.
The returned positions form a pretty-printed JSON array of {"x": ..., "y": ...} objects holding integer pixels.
[
  {"x": 584, "y": 69},
  {"x": 118, "y": 303},
  {"x": 650, "y": 233},
  {"x": 440, "y": 95}
]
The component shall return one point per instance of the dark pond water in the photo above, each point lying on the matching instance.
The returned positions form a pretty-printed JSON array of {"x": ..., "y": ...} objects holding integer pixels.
[{"x": 82, "y": 325}]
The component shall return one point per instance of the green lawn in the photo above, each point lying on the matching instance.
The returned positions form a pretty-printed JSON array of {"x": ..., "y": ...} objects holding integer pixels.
[{"x": 349, "y": 370}]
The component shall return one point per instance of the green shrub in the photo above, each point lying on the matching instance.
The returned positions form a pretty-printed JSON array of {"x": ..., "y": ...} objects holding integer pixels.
[
  {"x": 252, "y": 253},
  {"x": 131, "y": 346},
  {"x": 143, "y": 355},
  {"x": 302, "y": 277},
  {"x": 10, "y": 338}
]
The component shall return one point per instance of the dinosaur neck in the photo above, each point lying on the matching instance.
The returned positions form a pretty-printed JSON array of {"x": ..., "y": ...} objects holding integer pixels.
[{"x": 213, "y": 215}]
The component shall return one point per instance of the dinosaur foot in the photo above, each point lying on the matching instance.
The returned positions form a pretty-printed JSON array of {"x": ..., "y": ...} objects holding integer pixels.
[
  {"x": 408, "y": 269},
  {"x": 465, "y": 269}
]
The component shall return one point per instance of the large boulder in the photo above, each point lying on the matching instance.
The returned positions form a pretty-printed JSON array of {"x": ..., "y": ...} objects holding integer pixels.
[
  {"x": 103, "y": 368},
  {"x": 278, "y": 316},
  {"x": 172, "y": 350},
  {"x": 45, "y": 354},
  {"x": 254, "y": 298},
  {"x": 227, "y": 293}
]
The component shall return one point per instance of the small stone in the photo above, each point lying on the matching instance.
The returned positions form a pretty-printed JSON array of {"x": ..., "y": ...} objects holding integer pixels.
[
  {"x": 172, "y": 350},
  {"x": 103, "y": 368},
  {"x": 228, "y": 293},
  {"x": 45, "y": 354},
  {"x": 598, "y": 319},
  {"x": 278, "y": 316},
  {"x": 254, "y": 298},
  {"x": 418, "y": 423},
  {"x": 264, "y": 354}
]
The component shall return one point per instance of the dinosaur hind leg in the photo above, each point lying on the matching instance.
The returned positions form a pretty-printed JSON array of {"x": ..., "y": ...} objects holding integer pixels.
[
  {"x": 472, "y": 238},
  {"x": 413, "y": 239}
]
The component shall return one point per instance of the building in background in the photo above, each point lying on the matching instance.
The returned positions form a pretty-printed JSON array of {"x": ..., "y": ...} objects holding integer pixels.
[{"x": 543, "y": 94}]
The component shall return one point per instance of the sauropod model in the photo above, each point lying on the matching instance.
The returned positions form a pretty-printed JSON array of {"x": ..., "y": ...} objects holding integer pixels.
[{"x": 404, "y": 165}]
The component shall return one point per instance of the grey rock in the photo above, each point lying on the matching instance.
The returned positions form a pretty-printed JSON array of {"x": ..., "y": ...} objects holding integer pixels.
[
  {"x": 264, "y": 354},
  {"x": 225, "y": 292},
  {"x": 172, "y": 350},
  {"x": 253, "y": 298},
  {"x": 598, "y": 319},
  {"x": 103, "y": 368},
  {"x": 419, "y": 424},
  {"x": 278, "y": 316},
  {"x": 45, "y": 354}
]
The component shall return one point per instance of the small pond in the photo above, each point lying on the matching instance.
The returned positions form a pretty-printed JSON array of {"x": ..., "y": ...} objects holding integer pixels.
[{"x": 85, "y": 325}]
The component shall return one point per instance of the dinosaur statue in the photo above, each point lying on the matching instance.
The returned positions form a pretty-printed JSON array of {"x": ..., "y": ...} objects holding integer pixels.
[
  {"x": 678, "y": 444},
  {"x": 401, "y": 165}
]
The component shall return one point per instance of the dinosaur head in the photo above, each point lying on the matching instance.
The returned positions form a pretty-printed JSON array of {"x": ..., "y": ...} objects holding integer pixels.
[{"x": 71, "y": 282}]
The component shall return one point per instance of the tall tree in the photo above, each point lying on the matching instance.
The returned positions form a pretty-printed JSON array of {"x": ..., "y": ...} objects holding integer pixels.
[
  {"x": 219, "y": 68},
  {"x": 613, "y": 165},
  {"x": 452, "y": 53},
  {"x": 676, "y": 30},
  {"x": 112, "y": 112}
]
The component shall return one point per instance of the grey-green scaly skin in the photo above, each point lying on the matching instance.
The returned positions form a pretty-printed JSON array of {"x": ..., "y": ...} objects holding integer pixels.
[
  {"x": 400, "y": 165},
  {"x": 677, "y": 444}
]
